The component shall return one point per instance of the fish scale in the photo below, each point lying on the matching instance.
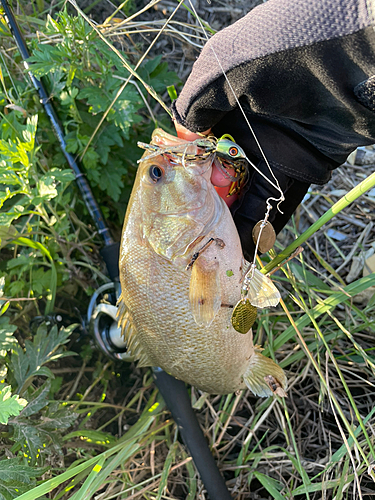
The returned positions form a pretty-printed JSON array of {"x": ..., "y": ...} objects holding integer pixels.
[
  {"x": 171, "y": 320},
  {"x": 200, "y": 356}
]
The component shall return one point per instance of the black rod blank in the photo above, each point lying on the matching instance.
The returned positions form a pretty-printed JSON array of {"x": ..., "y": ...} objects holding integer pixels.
[
  {"x": 177, "y": 399},
  {"x": 45, "y": 100}
]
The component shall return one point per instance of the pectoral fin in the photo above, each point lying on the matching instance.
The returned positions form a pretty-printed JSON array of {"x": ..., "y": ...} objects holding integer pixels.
[
  {"x": 264, "y": 377},
  {"x": 129, "y": 333},
  {"x": 205, "y": 291}
]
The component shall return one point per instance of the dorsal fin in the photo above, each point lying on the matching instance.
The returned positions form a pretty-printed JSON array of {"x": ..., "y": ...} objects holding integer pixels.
[{"x": 129, "y": 333}]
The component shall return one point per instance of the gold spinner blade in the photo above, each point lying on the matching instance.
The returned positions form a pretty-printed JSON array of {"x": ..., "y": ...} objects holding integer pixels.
[{"x": 243, "y": 316}]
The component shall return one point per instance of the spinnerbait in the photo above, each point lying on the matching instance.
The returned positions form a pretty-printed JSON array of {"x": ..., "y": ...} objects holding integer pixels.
[
  {"x": 229, "y": 154},
  {"x": 257, "y": 290}
]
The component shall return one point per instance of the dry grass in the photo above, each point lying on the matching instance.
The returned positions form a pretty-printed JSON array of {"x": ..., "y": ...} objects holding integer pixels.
[{"x": 300, "y": 447}]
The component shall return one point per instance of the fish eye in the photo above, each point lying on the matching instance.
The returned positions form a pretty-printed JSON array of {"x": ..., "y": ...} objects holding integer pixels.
[
  {"x": 233, "y": 151},
  {"x": 156, "y": 173}
]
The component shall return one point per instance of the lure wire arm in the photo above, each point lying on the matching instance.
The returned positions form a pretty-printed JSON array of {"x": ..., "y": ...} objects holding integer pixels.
[{"x": 275, "y": 183}]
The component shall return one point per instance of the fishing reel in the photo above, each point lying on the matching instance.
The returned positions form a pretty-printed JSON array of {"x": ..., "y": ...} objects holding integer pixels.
[{"x": 102, "y": 321}]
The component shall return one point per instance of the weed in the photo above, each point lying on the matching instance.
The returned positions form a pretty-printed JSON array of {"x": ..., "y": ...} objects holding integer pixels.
[{"x": 79, "y": 426}]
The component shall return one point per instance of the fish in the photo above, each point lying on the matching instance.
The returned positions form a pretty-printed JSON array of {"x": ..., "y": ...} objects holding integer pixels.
[{"x": 181, "y": 272}]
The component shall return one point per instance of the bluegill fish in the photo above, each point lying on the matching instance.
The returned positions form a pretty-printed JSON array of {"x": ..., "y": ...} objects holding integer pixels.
[{"x": 181, "y": 267}]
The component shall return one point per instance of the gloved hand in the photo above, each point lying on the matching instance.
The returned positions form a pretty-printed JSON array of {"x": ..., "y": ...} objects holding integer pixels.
[{"x": 301, "y": 71}]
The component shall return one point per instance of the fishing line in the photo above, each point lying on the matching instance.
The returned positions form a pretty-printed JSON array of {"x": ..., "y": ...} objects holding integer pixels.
[
  {"x": 132, "y": 71},
  {"x": 277, "y": 186},
  {"x": 243, "y": 317}
]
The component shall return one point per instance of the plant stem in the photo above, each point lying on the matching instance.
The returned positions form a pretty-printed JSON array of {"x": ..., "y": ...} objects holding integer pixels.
[{"x": 353, "y": 194}]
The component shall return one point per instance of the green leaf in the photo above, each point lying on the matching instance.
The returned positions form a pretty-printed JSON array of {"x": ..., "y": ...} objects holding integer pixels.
[
  {"x": 323, "y": 486},
  {"x": 4, "y": 307},
  {"x": 71, "y": 143},
  {"x": 16, "y": 287},
  {"x": 46, "y": 59},
  {"x": 96, "y": 98},
  {"x": 41, "y": 280},
  {"x": 124, "y": 115},
  {"x": 63, "y": 175},
  {"x": 41, "y": 435},
  {"x": 111, "y": 182},
  {"x": 67, "y": 97},
  {"x": 91, "y": 436},
  {"x": 307, "y": 277},
  {"x": 161, "y": 78},
  {"x": 91, "y": 160},
  {"x": 29, "y": 133},
  {"x": 7, "y": 234},
  {"x": 21, "y": 263},
  {"x": 12, "y": 489},
  {"x": 47, "y": 184},
  {"x": 14, "y": 153},
  {"x": 39, "y": 400},
  {"x": 31, "y": 437},
  {"x": 344, "y": 481},
  {"x": 82, "y": 493},
  {"x": 58, "y": 419},
  {"x": 104, "y": 147},
  {"x": 7, "y": 341},
  {"x": 340, "y": 453},
  {"x": 12, "y": 470},
  {"x": 11, "y": 128},
  {"x": 42, "y": 372},
  {"x": 9, "y": 405},
  {"x": 152, "y": 64},
  {"x": 271, "y": 485},
  {"x": 53, "y": 281},
  {"x": 46, "y": 188},
  {"x": 45, "y": 347},
  {"x": 172, "y": 92},
  {"x": 166, "y": 470}
]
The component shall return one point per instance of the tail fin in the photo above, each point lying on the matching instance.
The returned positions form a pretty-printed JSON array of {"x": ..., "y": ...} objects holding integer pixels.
[{"x": 264, "y": 377}]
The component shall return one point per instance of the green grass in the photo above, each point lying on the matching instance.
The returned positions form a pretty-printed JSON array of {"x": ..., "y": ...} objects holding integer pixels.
[{"x": 96, "y": 429}]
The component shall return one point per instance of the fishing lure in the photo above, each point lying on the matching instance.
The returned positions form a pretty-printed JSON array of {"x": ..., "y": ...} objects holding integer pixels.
[
  {"x": 257, "y": 290},
  {"x": 229, "y": 154},
  {"x": 225, "y": 147},
  {"x": 255, "y": 283}
]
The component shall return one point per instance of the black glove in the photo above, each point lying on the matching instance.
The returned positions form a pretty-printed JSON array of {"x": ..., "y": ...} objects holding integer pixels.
[{"x": 302, "y": 73}]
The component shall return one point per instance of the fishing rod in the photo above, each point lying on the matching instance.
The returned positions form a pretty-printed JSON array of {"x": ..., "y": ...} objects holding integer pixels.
[
  {"x": 111, "y": 248},
  {"x": 102, "y": 317}
]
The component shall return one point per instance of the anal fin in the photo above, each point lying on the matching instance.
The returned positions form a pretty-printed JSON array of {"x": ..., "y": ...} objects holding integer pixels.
[
  {"x": 264, "y": 377},
  {"x": 129, "y": 333},
  {"x": 205, "y": 290}
]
